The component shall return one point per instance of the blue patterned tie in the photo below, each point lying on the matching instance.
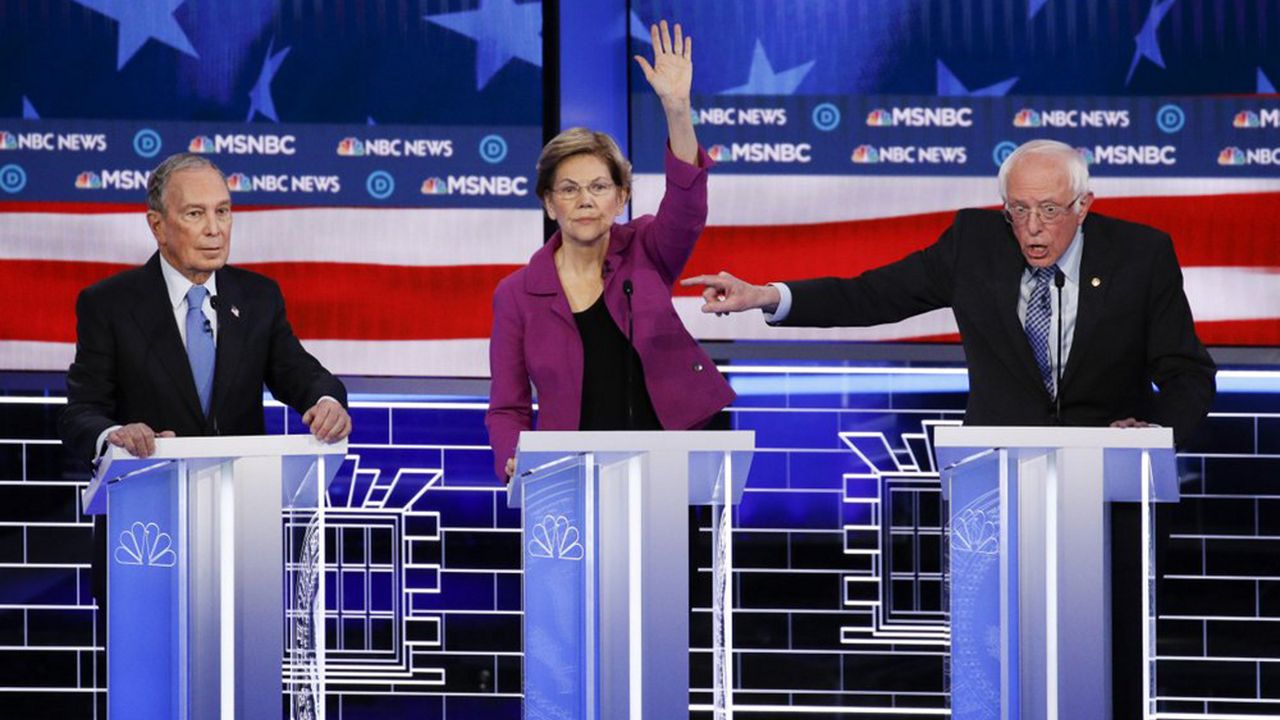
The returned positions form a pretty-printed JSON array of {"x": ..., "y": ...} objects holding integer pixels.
[
  {"x": 1039, "y": 317},
  {"x": 200, "y": 349}
]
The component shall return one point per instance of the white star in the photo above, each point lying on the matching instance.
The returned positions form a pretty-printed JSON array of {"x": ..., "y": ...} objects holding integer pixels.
[
  {"x": 762, "y": 80},
  {"x": 950, "y": 86},
  {"x": 142, "y": 20},
  {"x": 503, "y": 30}
]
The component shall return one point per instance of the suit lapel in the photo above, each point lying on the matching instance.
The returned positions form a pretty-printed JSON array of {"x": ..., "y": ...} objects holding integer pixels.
[
  {"x": 1096, "y": 262},
  {"x": 541, "y": 279},
  {"x": 231, "y": 338},
  {"x": 1006, "y": 287},
  {"x": 154, "y": 315}
]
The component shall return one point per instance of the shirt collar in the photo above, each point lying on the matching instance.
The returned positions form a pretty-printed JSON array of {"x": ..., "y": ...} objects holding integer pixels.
[
  {"x": 177, "y": 284},
  {"x": 1069, "y": 261}
]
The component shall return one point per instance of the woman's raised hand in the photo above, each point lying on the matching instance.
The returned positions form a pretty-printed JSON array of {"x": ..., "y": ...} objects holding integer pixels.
[{"x": 671, "y": 73}]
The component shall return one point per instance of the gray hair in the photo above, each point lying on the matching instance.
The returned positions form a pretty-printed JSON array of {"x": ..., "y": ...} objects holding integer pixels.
[
  {"x": 1075, "y": 165},
  {"x": 159, "y": 180}
]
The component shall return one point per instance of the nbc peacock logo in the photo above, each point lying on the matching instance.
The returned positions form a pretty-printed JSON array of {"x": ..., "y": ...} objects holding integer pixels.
[
  {"x": 1247, "y": 119},
  {"x": 1027, "y": 118},
  {"x": 865, "y": 155},
  {"x": 1231, "y": 156},
  {"x": 879, "y": 118},
  {"x": 8, "y": 141},
  {"x": 200, "y": 144},
  {"x": 238, "y": 182},
  {"x": 350, "y": 147},
  {"x": 1087, "y": 154},
  {"x": 88, "y": 180},
  {"x": 434, "y": 186},
  {"x": 720, "y": 153}
]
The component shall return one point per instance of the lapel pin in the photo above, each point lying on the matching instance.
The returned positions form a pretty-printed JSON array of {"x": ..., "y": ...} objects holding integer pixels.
[
  {"x": 1094, "y": 282},
  {"x": 236, "y": 311}
]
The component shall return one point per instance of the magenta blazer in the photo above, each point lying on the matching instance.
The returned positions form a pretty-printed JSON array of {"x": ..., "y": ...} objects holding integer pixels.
[{"x": 535, "y": 338}]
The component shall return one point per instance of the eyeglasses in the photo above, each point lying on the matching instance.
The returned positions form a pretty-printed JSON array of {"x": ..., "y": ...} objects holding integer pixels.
[
  {"x": 1048, "y": 212},
  {"x": 570, "y": 191}
]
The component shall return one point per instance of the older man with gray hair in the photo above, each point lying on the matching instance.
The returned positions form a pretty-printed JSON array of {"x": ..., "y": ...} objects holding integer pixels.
[
  {"x": 184, "y": 344},
  {"x": 1067, "y": 317}
]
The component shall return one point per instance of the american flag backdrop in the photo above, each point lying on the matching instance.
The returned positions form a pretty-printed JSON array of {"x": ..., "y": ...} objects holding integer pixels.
[{"x": 381, "y": 154}]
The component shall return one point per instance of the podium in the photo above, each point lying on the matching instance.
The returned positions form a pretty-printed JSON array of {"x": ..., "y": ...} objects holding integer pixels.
[
  {"x": 1029, "y": 543},
  {"x": 606, "y": 573},
  {"x": 196, "y": 580}
]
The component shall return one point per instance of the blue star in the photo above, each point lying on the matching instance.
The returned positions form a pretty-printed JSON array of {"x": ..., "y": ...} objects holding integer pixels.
[
  {"x": 762, "y": 80},
  {"x": 29, "y": 110},
  {"x": 369, "y": 121},
  {"x": 1033, "y": 7},
  {"x": 1265, "y": 86},
  {"x": 503, "y": 31},
  {"x": 950, "y": 86},
  {"x": 260, "y": 100},
  {"x": 140, "y": 21},
  {"x": 640, "y": 31},
  {"x": 1148, "y": 43}
]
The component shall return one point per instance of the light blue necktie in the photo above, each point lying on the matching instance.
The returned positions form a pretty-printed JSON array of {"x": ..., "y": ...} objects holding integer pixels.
[
  {"x": 200, "y": 348},
  {"x": 1039, "y": 318}
]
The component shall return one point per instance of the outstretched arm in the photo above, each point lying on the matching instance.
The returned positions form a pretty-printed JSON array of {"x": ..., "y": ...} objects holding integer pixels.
[
  {"x": 671, "y": 76},
  {"x": 724, "y": 293}
]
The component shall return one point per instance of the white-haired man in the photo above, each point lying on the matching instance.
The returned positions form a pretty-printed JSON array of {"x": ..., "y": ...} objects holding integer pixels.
[{"x": 1125, "y": 322}]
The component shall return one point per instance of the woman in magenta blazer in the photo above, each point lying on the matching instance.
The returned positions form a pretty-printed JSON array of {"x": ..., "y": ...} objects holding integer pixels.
[{"x": 589, "y": 321}]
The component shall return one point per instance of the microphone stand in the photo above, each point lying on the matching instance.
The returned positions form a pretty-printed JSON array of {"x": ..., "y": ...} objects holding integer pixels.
[{"x": 1059, "y": 279}]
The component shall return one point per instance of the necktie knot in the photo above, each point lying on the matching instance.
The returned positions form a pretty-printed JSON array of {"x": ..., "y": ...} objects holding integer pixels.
[
  {"x": 1044, "y": 274},
  {"x": 195, "y": 297}
]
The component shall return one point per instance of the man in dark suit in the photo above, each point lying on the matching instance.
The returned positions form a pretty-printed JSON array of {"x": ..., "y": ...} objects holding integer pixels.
[
  {"x": 1014, "y": 280},
  {"x": 1125, "y": 321},
  {"x": 184, "y": 344}
]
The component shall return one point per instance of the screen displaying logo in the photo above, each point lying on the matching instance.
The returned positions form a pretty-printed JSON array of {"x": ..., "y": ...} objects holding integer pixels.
[
  {"x": 865, "y": 154},
  {"x": 1252, "y": 120},
  {"x": 242, "y": 144},
  {"x": 921, "y": 117},
  {"x": 911, "y": 154},
  {"x": 89, "y": 180},
  {"x": 350, "y": 147},
  {"x": 1026, "y": 118},
  {"x": 1122, "y": 155}
]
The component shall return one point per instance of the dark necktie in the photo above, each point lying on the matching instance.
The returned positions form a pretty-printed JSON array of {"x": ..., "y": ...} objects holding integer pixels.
[
  {"x": 1039, "y": 318},
  {"x": 200, "y": 348}
]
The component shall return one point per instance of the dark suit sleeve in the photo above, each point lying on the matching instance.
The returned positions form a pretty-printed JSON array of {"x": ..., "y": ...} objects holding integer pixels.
[
  {"x": 91, "y": 380},
  {"x": 918, "y": 283},
  {"x": 1176, "y": 359},
  {"x": 294, "y": 376}
]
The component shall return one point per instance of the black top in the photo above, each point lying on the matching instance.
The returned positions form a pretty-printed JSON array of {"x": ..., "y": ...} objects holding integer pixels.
[{"x": 606, "y": 356}]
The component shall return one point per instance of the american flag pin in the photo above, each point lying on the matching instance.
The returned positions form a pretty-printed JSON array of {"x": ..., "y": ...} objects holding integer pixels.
[{"x": 235, "y": 311}]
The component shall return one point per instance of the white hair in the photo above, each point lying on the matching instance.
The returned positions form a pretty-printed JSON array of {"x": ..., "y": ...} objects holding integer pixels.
[{"x": 1075, "y": 165}]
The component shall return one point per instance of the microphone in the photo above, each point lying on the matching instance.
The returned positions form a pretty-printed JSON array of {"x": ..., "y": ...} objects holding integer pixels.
[
  {"x": 213, "y": 303},
  {"x": 628, "y": 290},
  {"x": 1059, "y": 279}
]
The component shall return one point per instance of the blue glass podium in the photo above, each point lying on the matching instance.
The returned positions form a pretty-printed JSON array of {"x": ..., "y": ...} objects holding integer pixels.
[
  {"x": 198, "y": 583},
  {"x": 1029, "y": 554},
  {"x": 606, "y": 574}
]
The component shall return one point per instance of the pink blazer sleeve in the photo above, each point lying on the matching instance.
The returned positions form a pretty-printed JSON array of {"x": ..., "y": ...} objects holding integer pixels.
[
  {"x": 668, "y": 239},
  {"x": 510, "y": 398}
]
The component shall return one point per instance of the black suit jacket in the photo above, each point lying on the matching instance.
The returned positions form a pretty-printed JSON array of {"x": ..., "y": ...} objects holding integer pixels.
[
  {"x": 131, "y": 365},
  {"x": 1133, "y": 327}
]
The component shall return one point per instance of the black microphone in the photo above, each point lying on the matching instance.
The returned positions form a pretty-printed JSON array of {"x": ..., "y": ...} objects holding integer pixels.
[
  {"x": 627, "y": 290},
  {"x": 213, "y": 303},
  {"x": 1059, "y": 279}
]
